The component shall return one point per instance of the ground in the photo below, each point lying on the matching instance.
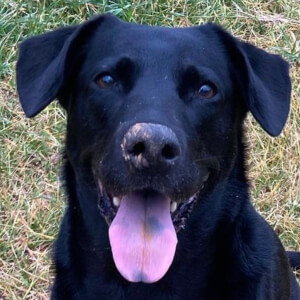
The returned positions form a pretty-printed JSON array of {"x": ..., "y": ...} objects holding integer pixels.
[{"x": 32, "y": 199}]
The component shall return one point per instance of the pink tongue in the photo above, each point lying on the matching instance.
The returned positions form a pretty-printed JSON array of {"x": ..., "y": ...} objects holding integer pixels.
[{"x": 143, "y": 238}]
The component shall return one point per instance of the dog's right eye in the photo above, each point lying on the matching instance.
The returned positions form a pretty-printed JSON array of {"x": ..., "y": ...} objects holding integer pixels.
[
  {"x": 105, "y": 80},
  {"x": 206, "y": 91}
]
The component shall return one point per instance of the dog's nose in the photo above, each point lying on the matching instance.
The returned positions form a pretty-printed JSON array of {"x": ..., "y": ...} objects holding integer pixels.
[{"x": 147, "y": 145}]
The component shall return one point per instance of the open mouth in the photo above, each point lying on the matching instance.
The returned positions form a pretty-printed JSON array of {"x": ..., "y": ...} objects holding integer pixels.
[
  {"x": 142, "y": 230},
  {"x": 180, "y": 210}
]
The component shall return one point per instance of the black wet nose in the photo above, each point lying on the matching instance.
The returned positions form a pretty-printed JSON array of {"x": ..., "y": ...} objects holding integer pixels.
[{"x": 147, "y": 145}]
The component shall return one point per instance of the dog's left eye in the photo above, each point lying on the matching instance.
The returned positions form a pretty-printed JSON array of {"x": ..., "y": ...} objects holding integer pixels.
[
  {"x": 105, "y": 80},
  {"x": 206, "y": 91}
]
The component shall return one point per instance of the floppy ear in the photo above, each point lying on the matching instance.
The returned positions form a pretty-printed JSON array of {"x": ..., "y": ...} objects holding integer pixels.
[
  {"x": 264, "y": 81},
  {"x": 268, "y": 87},
  {"x": 43, "y": 64}
]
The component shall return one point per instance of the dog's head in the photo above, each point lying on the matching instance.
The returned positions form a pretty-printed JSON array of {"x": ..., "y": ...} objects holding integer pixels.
[{"x": 154, "y": 116}]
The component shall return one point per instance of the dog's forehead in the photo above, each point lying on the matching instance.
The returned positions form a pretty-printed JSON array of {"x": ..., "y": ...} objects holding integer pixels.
[{"x": 169, "y": 46}]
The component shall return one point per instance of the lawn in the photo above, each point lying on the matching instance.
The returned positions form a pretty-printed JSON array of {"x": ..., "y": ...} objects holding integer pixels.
[{"x": 32, "y": 200}]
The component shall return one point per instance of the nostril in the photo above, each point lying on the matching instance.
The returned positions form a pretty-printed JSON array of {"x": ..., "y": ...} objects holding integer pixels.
[
  {"x": 169, "y": 152},
  {"x": 137, "y": 149}
]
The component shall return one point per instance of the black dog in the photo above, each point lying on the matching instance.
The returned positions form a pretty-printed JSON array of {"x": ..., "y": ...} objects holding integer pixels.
[{"x": 158, "y": 200}]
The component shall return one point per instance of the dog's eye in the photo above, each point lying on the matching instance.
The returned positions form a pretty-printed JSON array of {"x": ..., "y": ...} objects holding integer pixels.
[
  {"x": 206, "y": 91},
  {"x": 105, "y": 80}
]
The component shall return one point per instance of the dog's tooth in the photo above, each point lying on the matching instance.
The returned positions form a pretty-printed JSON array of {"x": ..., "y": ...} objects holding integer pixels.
[
  {"x": 116, "y": 201},
  {"x": 173, "y": 206}
]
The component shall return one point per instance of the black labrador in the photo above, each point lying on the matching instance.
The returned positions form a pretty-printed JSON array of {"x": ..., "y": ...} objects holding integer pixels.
[{"x": 158, "y": 199}]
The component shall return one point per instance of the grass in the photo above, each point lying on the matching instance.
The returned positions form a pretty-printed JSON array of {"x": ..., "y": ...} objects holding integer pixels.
[{"x": 31, "y": 202}]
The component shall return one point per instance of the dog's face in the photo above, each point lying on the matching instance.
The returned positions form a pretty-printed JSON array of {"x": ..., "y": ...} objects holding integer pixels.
[
  {"x": 149, "y": 100},
  {"x": 154, "y": 117},
  {"x": 144, "y": 107}
]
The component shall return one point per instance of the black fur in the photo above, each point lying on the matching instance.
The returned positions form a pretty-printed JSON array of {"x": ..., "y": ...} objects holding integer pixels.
[{"x": 226, "y": 250}]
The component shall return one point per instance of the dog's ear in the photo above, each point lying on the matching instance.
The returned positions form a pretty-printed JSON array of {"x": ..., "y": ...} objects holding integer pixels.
[
  {"x": 43, "y": 64},
  {"x": 268, "y": 87},
  {"x": 263, "y": 79}
]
